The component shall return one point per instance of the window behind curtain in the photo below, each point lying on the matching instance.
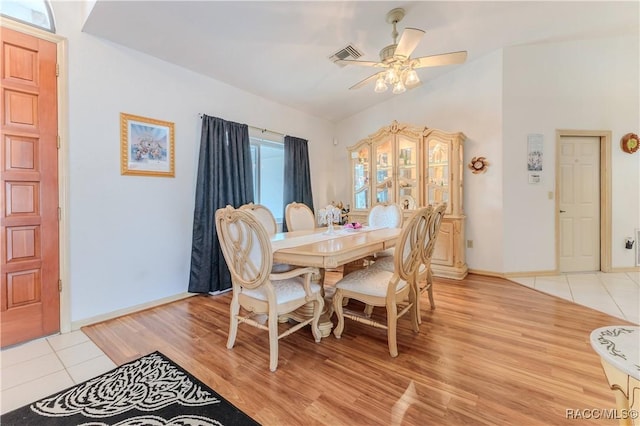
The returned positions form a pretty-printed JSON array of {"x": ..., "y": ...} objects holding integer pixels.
[{"x": 267, "y": 160}]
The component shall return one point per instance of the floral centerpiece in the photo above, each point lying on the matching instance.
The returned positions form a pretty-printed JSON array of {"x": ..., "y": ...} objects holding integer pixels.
[{"x": 353, "y": 225}]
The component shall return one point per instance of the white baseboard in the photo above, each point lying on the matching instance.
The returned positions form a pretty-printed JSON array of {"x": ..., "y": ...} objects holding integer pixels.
[
  {"x": 76, "y": 325},
  {"x": 630, "y": 269},
  {"x": 508, "y": 275},
  {"x": 529, "y": 274}
]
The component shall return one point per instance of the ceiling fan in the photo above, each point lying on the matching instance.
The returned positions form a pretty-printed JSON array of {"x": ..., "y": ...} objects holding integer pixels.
[{"x": 399, "y": 67}]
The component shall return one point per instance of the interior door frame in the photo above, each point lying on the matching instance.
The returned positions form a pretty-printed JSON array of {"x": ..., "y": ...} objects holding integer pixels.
[
  {"x": 605, "y": 193},
  {"x": 63, "y": 159}
]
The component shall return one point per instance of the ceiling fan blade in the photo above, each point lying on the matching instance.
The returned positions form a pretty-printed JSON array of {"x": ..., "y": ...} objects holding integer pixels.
[
  {"x": 438, "y": 60},
  {"x": 408, "y": 42},
  {"x": 361, "y": 63},
  {"x": 365, "y": 81}
]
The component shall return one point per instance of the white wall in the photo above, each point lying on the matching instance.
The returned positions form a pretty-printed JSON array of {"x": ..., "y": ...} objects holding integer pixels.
[
  {"x": 469, "y": 100},
  {"x": 130, "y": 237},
  {"x": 586, "y": 85},
  {"x": 497, "y": 102}
]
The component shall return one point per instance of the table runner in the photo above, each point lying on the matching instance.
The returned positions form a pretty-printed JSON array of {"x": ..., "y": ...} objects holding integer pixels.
[{"x": 279, "y": 244}]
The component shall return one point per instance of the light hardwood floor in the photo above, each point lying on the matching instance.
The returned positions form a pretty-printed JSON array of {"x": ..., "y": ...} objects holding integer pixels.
[{"x": 492, "y": 353}]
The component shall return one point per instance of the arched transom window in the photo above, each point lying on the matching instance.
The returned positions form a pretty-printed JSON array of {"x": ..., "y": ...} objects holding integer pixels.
[{"x": 32, "y": 12}]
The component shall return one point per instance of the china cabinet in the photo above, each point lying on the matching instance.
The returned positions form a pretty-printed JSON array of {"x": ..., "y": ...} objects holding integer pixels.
[{"x": 414, "y": 167}]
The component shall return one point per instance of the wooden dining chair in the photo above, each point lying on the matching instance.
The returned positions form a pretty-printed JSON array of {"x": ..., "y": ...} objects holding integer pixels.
[
  {"x": 425, "y": 274},
  {"x": 268, "y": 220},
  {"x": 395, "y": 290},
  {"x": 258, "y": 292},
  {"x": 264, "y": 216},
  {"x": 298, "y": 216},
  {"x": 385, "y": 215}
]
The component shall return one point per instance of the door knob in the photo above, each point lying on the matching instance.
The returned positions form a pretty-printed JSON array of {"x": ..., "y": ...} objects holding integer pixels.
[{"x": 562, "y": 211}]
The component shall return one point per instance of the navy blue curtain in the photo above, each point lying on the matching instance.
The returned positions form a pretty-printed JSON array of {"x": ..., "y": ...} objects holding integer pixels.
[
  {"x": 297, "y": 174},
  {"x": 224, "y": 178}
]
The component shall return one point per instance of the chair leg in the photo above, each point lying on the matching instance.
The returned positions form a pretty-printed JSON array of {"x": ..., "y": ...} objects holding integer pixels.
[
  {"x": 414, "y": 299},
  {"x": 392, "y": 322},
  {"x": 368, "y": 310},
  {"x": 234, "y": 310},
  {"x": 273, "y": 340},
  {"x": 318, "y": 305},
  {"x": 337, "y": 307},
  {"x": 430, "y": 289},
  {"x": 418, "y": 291}
]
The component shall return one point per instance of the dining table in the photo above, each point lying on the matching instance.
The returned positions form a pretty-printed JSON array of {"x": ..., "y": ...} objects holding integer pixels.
[{"x": 329, "y": 249}]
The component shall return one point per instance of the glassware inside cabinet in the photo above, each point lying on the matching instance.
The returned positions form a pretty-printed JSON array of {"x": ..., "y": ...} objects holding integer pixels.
[
  {"x": 382, "y": 195},
  {"x": 407, "y": 173},
  {"x": 361, "y": 170},
  {"x": 438, "y": 172},
  {"x": 384, "y": 171}
]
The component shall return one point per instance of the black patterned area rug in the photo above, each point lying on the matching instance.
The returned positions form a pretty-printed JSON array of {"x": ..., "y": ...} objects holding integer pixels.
[{"x": 150, "y": 391}]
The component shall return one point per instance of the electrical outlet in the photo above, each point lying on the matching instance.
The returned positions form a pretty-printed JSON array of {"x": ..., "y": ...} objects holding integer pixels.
[{"x": 469, "y": 243}]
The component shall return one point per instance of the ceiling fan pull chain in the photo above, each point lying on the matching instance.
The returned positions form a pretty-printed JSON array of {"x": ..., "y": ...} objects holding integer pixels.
[{"x": 394, "y": 33}]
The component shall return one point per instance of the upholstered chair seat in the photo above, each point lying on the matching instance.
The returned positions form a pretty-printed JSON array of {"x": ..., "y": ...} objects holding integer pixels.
[
  {"x": 286, "y": 290},
  {"x": 370, "y": 282}
]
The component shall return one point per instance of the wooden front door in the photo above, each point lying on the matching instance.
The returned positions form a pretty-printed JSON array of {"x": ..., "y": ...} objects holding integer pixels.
[{"x": 29, "y": 295}]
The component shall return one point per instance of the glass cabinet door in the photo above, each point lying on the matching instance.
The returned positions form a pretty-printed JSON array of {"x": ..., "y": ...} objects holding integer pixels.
[
  {"x": 383, "y": 155},
  {"x": 361, "y": 166},
  {"x": 438, "y": 172},
  {"x": 408, "y": 196}
]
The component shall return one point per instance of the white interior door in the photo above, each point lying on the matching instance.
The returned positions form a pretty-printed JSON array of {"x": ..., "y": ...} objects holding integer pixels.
[{"x": 579, "y": 195}]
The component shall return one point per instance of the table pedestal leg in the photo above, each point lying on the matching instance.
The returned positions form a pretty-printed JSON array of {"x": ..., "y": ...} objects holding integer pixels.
[{"x": 305, "y": 312}]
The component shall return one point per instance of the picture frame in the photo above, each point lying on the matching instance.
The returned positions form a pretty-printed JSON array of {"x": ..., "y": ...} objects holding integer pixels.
[
  {"x": 407, "y": 202},
  {"x": 534, "y": 152},
  {"x": 147, "y": 146}
]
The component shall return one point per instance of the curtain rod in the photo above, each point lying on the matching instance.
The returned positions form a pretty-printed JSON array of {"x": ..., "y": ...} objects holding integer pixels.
[{"x": 262, "y": 130}]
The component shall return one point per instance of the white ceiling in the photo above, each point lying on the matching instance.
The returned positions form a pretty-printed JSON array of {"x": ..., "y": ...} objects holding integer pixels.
[{"x": 280, "y": 50}]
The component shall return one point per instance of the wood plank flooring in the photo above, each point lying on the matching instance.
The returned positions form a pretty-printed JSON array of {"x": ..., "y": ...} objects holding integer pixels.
[{"x": 491, "y": 353}]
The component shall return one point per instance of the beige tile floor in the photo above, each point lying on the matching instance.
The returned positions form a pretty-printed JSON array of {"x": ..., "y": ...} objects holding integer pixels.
[
  {"x": 617, "y": 294},
  {"x": 39, "y": 368}
]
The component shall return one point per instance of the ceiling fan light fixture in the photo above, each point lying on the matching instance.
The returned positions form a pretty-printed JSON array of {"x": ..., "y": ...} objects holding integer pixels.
[
  {"x": 398, "y": 67},
  {"x": 380, "y": 85},
  {"x": 412, "y": 78},
  {"x": 399, "y": 88},
  {"x": 390, "y": 77}
]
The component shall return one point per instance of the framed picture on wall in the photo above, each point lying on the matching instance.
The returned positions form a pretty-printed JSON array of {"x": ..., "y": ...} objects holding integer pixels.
[
  {"x": 146, "y": 146},
  {"x": 534, "y": 152}
]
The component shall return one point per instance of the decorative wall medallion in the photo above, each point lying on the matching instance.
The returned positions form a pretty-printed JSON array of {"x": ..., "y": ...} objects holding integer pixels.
[
  {"x": 629, "y": 143},
  {"x": 478, "y": 165}
]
